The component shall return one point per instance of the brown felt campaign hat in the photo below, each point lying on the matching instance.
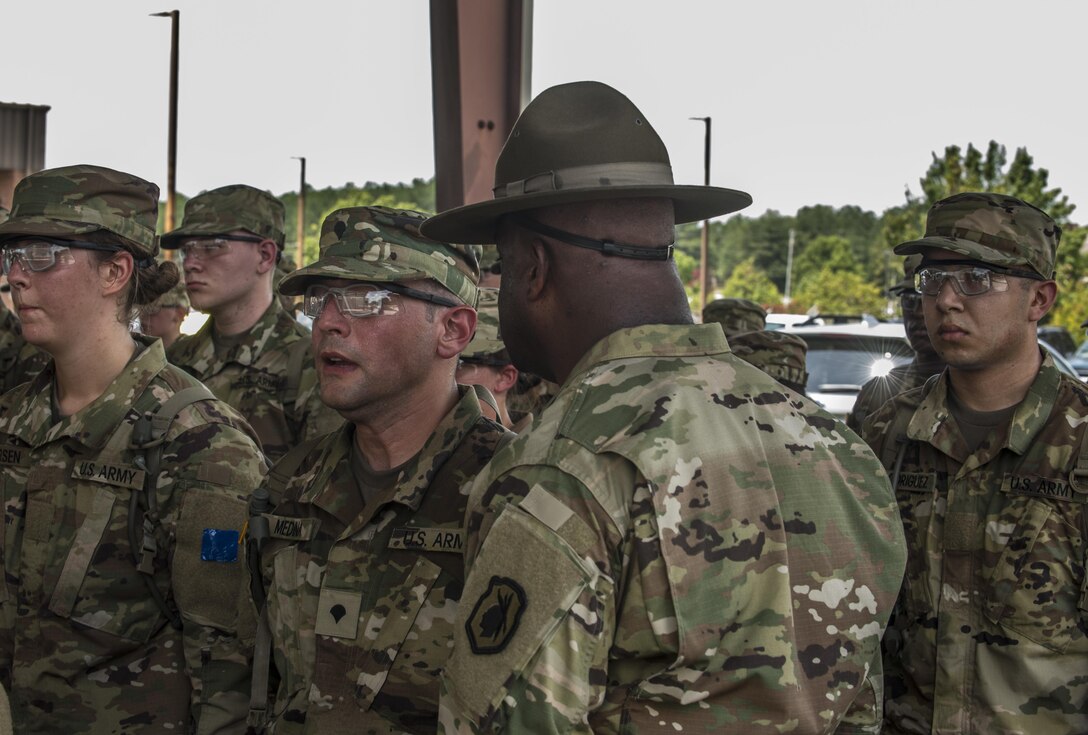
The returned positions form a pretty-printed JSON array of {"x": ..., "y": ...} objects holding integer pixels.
[{"x": 579, "y": 142}]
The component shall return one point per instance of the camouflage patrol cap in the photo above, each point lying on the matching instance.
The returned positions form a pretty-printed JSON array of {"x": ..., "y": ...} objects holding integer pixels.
[
  {"x": 735, "y": 315},
  {"x": 779, "y": 354},
  {"x": 991, "y": 228},
  {"x": 486, "y": 342},
  {"x": 78, "y": 200},
  {"x": 177, "y": 296},
  {"x": 380, "y": 244},
  {"x": 910, "y": 264},
  {"x": 229, "y": 208}
]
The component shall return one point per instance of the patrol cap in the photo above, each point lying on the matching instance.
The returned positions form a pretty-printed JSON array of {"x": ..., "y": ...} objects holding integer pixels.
[
  {"x": 177, "y": 296},
  {"x": 226, "y": 209},
  {"x": 991, "y": 228},
  {"x": 381, "y": 244},
  {"x": 77, "y": 200},
  {"x": 910, "y": 264},
  {"x": 580, "y": 142},
  {"x": 735, "y": 315},
  {"x": 779, "y": 354},
  {"x": 486, "y": 342}
]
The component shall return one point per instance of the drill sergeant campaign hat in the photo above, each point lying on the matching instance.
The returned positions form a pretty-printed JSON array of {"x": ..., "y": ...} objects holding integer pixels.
[
  {"x": 226, "y": 209},
  {"x": 73, "y": 201},
  {"x": 991, "y": 228},
  {"x": 580, "y": 142},
  {"x": 735, "y": 315},
  {"x": 487, "y": 344},
  {"x": 779, "y": 354},
  {"x": 382, "y": 245}
]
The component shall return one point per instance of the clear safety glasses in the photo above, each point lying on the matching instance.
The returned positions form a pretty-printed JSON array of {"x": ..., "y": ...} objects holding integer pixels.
[
  {"x": 42, "y": 254},
  {"x": 970, "y": 281},
  {"x": 208, "y": 248},
  {"x": 364, "y": 299}
]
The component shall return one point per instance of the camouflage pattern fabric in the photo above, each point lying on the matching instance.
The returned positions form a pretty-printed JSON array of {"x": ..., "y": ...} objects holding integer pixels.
[
  {"x": 736, "y": 315},
  {"x": 988, "y": 635},
  {"x": 779, "y": 354},
  {"x": 993, "y": 228},
  {"x": 177, "y": 296},
  {"x": 253, "y": 378},
  {"x": 84, "y": 648},
  {"x": 486, "y": 342},
  {"x": 673, "y": 548},
  {"x": 19, "y": 360},
  {"x": 229, "y": 208},
  {"x": 362, "y": 598},
  {"x": 380, "y": 244},
  {"x": 78, "y": 200},
  {"x": 878, "y": 391},
  {"x": 530, "y": 396}
]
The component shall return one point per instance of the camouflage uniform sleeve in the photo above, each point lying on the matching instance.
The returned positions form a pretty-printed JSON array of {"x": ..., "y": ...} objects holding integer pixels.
[
  {"x": 212, "y": 469},
  {"x": 538, "y": 609}
]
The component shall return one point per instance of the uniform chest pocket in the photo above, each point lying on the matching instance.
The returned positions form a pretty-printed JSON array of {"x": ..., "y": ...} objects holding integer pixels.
[
  {"x": 919, "y": 502},
  {"x": 1035, "y": 586}
]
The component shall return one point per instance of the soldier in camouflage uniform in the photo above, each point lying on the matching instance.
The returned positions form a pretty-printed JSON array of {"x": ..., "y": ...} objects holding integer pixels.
[
  {"x": 990, "y": 467},
  {"x": 19, "y": 361},
  {"x": 123, "y": 484},
  {"x": 779, "y": 354},
  {"x": 736, "y": 316},
  {"x": 486, "y": 362},
  {"x": 903, "y": 378},
  {"x": 673, "y": 545},
  {"x": 163, "y": 318},
  {"x": 363, "y": 569},
  {"x": 251, "y": 352}
]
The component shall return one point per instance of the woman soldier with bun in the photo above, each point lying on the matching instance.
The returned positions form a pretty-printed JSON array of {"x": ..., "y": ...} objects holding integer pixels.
[{"x": 122, "y": 483}]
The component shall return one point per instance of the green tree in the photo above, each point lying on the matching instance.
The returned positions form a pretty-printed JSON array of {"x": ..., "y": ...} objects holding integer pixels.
[
  {"x": 821, "y": 252},
  {"x": 840, "y": 292},
  {"x": 1071, "y": 273},
  {"x": 748, "y": 281}
]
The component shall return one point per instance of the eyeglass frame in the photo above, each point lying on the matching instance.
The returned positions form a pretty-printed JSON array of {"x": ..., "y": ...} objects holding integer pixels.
[
  {"x": 221, "y": 240},
  {"x": 56, "y": 247},
  {"x": 989, "y": 268},
  {"x": 392, "y": 287}
]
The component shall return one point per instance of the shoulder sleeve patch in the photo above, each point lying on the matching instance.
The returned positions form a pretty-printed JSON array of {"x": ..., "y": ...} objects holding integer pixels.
[{"x": 495, "y": 616}]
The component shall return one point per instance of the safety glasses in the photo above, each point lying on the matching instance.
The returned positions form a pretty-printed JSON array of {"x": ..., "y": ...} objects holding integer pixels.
[
  {"x": 37, "y": 255},
  {"x": 209, "y": 248},
  {"x": 970, "y": 281},
  {"x": 364, "y": 299}
]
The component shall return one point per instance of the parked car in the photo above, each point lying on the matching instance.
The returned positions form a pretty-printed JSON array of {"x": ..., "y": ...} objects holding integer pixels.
[
  {"x": 781, "y": 321},
  {"x": 1058, "y": 338},
  {"x": 843, "y": 357},
  {"x": 1079, "y": 360}
]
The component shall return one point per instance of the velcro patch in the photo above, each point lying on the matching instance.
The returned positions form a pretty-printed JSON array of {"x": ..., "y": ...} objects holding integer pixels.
[
  {"x": 916, "y": 482},
  {"x": 109, "y": 474},
  {"x": 264, "y": 381},
  {"x": 338, "y": 613},
  {"x": 291, "y": 529},
  {"x": 219, "y": 545},
  {"x": 495, "y": 616},
  {"x": 12, "y": 455},
  {"x": 450, "y": 540},
  {"x": 1043, "y": 487}
]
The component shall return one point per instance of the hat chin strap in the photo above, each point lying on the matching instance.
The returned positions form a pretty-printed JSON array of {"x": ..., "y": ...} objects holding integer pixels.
[{"x": 634, "y": 252}]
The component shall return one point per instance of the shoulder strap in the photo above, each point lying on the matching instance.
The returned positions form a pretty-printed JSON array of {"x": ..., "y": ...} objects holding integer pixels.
[{"x": 148, "y": 436}]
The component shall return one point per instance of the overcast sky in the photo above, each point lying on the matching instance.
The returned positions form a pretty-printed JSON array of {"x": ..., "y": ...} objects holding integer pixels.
[{"x": 813, "y": 102}]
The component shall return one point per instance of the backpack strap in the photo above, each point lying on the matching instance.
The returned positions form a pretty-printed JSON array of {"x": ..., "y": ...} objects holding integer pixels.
[{"x": 148, "y": 437}]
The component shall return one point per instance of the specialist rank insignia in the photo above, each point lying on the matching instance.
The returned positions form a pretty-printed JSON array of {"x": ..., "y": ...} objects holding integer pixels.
[{"x": 495, "y": 616}]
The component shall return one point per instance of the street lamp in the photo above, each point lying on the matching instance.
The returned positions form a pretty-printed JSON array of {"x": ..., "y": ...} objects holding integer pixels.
[
  {"x": 172, "y": 143},
  {"x": 704, "y": 244},
  {"x": 301, "y": 209}
]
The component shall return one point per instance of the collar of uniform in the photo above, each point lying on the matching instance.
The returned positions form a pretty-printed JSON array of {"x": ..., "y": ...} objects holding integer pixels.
[
  {"x": 665, "y": 340},
  {"x": 415, "y": 478},
  {"x": 930, "y": 422},
  {"x": 92, "y": 426},
  {"x": 198, "y": 352}
]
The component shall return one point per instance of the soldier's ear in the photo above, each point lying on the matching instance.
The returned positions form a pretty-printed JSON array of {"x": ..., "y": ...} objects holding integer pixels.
[
  {"x": 538, "y": 268},
  {"x": 268, "y": 251},
  {"x": 456, "y": 326},
  {"x": 116, "y": 272},
  {"x": 1043, "y": 295}
]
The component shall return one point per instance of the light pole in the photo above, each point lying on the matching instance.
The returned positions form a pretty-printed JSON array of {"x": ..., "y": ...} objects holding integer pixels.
[
  {"x": 172, "y": 141},
  {"x": 704, "y": 244},
  {"x": 301, "y": 230}
]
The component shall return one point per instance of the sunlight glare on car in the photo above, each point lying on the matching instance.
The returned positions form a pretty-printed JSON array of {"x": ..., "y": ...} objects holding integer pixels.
[{"x": 881, "y": 366}]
